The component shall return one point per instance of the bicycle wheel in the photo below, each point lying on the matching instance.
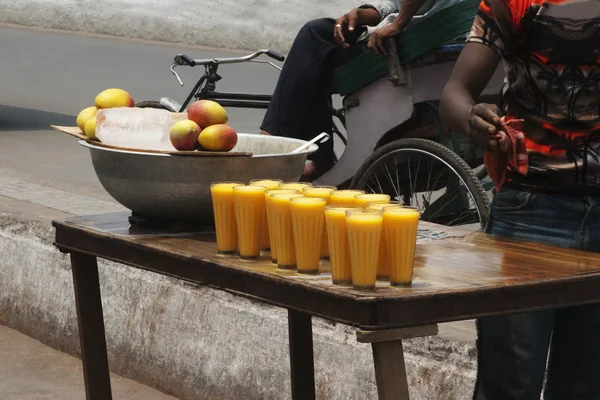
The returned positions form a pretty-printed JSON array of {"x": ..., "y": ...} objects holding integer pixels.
[
  {"x": 426, "y": 174},
  {"x": 151, "y": 104}
]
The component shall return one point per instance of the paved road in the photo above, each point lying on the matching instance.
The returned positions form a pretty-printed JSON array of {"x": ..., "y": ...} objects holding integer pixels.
[
  {"x": 48, "y": 77},
  {"x": 33, "y": 371}
]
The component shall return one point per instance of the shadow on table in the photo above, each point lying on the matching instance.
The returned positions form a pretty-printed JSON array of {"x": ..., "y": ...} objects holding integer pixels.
[{"x": 26, "y": 119}]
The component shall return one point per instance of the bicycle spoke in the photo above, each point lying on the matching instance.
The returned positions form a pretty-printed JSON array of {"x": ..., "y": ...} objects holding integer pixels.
[
  {"x": 417, "y": 173},
  {"x": 430, "y": 188},
  {"x": 412, "y": 192},
  {"x": 466, "y": 211},
  {"x": 428, "y": 182},
  {"x": 379, "y": 184},
  {"x": 391, "y": 180},
  {"x": 446, "y": 203},
  {"x": 437, "y": 181},
  {"x": 444, "y": 198},
  {"x": 398, "y": 183}
]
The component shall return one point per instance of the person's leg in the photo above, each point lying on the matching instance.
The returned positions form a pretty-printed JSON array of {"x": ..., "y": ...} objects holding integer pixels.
[
  {"x": 574, "y": 367},
  {"x": 299, "y": 107},
  {"x": 513, "y": 349},
  {"x": 320, "y": 117},
  {"x": 512, "y": 352},
  {"x": 301, "y": 79}
]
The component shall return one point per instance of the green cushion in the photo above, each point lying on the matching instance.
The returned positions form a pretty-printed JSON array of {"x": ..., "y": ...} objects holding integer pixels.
[{"x": 416, "y": 41}]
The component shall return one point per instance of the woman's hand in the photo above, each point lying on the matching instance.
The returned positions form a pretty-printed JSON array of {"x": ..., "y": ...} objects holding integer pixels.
[
  {"x": 377, "y": 37},
  {"x": 484, "y": 124}
]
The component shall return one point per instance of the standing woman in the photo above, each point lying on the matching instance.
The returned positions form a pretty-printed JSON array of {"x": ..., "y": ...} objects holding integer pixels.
[{"x": 551, "y": 54}]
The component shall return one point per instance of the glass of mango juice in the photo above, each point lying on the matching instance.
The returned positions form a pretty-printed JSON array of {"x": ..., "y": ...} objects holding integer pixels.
[
  {"x": 383, "y": 265},
  {"x": 308, "y": 220},
  {"x": 363, "y": 199},
  {"x": 400, "y": 227},
  {"x": 323, "y": 192},
  {"x": 268, "y": 184},
  {"x": 344, "y": 197},
  {"x": 364, "y": 235},
  {"x": 335, "y": 219},
  {"x": 281, "y": 213},
  {"x": 271, "y": 218},
  {"x": 224, "y": 212},
  {"x": 249, "y": 202},
  {"x": 294, "y": 185},
  {"x": 380, "y": 205}
]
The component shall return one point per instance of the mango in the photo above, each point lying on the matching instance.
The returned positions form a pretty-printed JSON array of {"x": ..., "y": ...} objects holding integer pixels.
[
  {"x": 206, "y": 113},
  {"x": 184, "y": 135},
  {"x": 90, "y": 128},
  {"x": 218, "y": 137},
  {"x": 113, "y": 98},
  {"x": 84, "y": 115}
]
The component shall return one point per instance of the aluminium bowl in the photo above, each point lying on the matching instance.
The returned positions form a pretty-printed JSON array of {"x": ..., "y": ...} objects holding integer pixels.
[{"x": 177, "y": 188}]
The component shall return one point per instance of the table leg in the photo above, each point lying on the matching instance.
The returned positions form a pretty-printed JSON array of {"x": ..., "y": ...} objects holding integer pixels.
[
  {"x": 390, "y": 371},
  {"x": 388, "y": 356},
  {"x": 301, "y": 356},
  {"x": 91, "y": 327}
]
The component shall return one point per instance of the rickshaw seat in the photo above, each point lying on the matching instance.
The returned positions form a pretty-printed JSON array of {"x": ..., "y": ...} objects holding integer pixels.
[{"x": 438, "y": 33}]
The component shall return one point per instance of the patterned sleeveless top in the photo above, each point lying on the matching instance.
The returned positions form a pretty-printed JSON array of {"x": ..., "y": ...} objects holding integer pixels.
[{"x": 551, "y": 55}]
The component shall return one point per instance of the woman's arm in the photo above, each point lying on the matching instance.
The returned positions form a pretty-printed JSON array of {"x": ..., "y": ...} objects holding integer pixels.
[{"x": 472, "y": 72}]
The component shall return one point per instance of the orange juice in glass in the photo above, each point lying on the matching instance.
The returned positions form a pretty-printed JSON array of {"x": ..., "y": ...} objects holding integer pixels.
[
  {"x": 272, "y": 236},
  {"x": 281, "y": 212},
  {"x": 378, "y": 205},
  {"x": 249, "y": 202},
  {"x": 308, "y": 220},
  {"x": 363, "y": 199},
  {"x": 400, "y": 226},
  {"x": 323, "y": 192},
  {"x": 364, "y": 236},
  {"x": 383, "y": 265},
  {"x": 268, "y": 184},
  {"x": 335, "y": 221},
  {"x": 224, "y": 211},
  {"x": 344, "y": 197},
  {"x": 294, "y": 185}
]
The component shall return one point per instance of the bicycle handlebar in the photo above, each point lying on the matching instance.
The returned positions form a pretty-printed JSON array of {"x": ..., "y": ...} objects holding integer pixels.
[
  {"x": 182, "y": 59},
  {"x": 275, "y": 55}
]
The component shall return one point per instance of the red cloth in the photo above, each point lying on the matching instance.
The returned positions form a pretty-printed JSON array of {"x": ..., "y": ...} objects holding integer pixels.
[{"x": 511, "y": 152}]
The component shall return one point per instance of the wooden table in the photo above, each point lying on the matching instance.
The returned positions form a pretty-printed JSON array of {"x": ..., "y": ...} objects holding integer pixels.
[{"x": 456, "y": 278}]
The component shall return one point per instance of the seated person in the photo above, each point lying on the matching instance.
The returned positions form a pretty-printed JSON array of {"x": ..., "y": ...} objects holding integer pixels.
[{"x": 300, "y": 104}]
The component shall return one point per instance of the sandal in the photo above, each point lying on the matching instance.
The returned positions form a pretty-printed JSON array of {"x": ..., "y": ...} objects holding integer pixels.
[{"x": 318, "y": 169}]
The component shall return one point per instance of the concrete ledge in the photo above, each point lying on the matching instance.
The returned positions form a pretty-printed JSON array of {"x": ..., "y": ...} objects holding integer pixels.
[
  {"x": 247, "y": 24},
  {"x": 199, "y": 343}
]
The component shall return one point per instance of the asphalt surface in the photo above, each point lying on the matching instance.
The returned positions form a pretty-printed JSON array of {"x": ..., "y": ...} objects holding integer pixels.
[
  {"x": 32, "y": 371},
  {"x": 49, "y": 76}
]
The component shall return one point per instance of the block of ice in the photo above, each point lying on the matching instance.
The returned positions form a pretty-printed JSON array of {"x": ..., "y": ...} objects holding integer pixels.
[{"x": 137, "y": 128}]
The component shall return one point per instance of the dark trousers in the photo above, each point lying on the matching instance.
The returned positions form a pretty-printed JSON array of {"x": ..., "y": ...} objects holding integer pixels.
[
  {"x": 513, "y": 349},
  {"x": 300, "y": 107}
]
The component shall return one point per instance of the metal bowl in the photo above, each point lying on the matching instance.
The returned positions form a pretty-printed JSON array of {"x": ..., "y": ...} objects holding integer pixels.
[{"x": 169, "y": 187}]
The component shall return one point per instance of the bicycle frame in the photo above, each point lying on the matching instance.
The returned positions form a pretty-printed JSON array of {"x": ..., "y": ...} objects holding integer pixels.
[
  {"x": 238, "y": 100},
  {"x": 205, "y": 90}
]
